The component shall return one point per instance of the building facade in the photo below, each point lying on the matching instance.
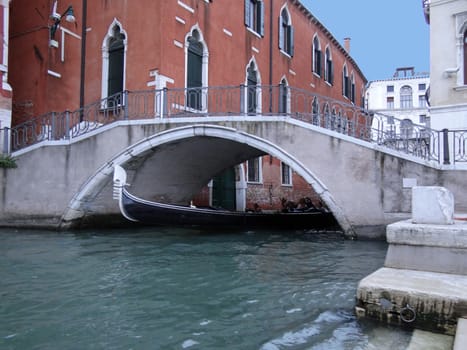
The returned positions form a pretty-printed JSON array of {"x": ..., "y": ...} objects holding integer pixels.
[
  {"x": 5, "y": 88},
  {"x": 402, "y": 98},
  {"x": 66, "y": 54},
  {"x": 117, "y": 45},
  {"x": 448, "y": 67}
]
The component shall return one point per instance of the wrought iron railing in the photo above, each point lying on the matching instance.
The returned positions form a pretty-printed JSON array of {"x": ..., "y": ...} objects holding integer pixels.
[{"x": 234, "y": 101}]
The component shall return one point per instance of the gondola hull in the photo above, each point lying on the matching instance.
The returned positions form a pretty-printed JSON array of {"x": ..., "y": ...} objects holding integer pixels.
[{"x": 154, "y": 213}]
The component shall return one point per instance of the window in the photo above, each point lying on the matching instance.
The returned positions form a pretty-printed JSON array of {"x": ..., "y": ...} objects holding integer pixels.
[
  {"x": 345, "y": 83},
  {"x": 254, "y": 16},
  {"x": 116, "y": 61},
  {"x": 316, "y": 56},
  {"x": 422, "y": 118},
  {"x": 315, "y": 112},
  {"x": 195, "y": 71},
  {"x": 286, "y": 33},
  {"x": 286, "y": 174},
  {"x": 406, "y": 97},
  {"x": 390, "y": 88},
  {"x": 113, "y": 66},
  {"x": 406, "y": 128},
  {"x": 421, "y": 101},
  {"x": 328, "y": 68},
  {"x": 254, "y": 170},
  {"x": 196, "y": 66},
  {"x": 421, "y": 87},
  {"x": 283, "y": 97},
  {"x": 352, "y": 88},
  {"x": 252, "y": 89},
  {"x": 390, "y": 102}
]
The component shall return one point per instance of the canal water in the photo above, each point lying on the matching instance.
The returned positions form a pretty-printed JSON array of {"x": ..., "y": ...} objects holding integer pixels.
[{"x": 160, "y": 288}]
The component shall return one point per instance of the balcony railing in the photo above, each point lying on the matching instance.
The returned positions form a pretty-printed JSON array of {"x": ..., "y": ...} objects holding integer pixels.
[{"x": 238, "y": 101}]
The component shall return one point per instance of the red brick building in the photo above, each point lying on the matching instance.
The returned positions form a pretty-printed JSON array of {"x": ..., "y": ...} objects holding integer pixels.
[
  {"x": 58, "y": 63},
  {"x": 5, "y": 88}
]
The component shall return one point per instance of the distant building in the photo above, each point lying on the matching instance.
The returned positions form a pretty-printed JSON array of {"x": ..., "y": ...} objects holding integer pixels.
[
  {"x": 448, "y": 67},
  {"x": 402, "y": 98}
]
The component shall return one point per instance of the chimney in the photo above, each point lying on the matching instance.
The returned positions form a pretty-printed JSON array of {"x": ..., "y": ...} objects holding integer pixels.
[{"x": 347, "y": 44}]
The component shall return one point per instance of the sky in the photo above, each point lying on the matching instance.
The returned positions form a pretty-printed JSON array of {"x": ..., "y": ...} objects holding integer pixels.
[{"x": 385, "y": 34}]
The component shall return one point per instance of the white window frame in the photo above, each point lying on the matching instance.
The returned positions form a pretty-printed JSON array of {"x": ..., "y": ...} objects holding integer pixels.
[
  {"x": 258, "y": 87},
  {"x": 105, "y": 59},
  {"x": 317, "y": 71},
  {"x": 205, "y": 65},
  {"x": 260, "y": 171},
  {"x": 289, "y": 170},
  {"x": 282, "y": 33}
]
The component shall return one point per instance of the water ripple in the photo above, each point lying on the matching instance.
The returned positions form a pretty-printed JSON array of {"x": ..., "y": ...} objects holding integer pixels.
[{"x": 169, "y": 289}]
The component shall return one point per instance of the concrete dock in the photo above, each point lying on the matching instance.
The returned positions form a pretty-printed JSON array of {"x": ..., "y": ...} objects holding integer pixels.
[{"x": 423, "y": 284}]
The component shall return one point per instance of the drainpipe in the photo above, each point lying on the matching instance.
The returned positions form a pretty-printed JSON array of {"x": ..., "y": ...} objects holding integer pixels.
[
  {"x": 271, "y": 27},
  {"x": 83, "y": 56}
]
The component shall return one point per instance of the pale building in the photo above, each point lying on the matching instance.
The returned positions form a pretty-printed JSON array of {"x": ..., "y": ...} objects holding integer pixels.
[
  {"x": 448, "y": 67},
  {"x": 401, "y": 99}
]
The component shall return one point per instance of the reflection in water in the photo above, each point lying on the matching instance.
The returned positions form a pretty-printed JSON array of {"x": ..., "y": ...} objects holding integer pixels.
[{"x": 175, "y": 289}]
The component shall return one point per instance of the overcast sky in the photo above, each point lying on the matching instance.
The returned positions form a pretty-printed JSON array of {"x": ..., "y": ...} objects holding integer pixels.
[{"x": 384, "y": 35}]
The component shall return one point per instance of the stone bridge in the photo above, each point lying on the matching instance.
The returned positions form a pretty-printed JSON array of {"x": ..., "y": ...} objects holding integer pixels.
[{"x": 68, "y": 183}]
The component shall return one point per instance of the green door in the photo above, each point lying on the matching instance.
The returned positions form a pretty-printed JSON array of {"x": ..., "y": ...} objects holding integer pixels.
[{"x": 223, "y": 190}]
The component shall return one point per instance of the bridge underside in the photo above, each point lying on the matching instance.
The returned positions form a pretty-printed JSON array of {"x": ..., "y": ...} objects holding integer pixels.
[
  {"x": 176, "y": 171},
  {"x": 172, "y": 166}
]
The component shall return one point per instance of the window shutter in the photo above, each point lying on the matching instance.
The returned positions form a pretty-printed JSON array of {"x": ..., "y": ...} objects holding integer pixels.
[
  {"x": 247, "y": 13},
  {"x": 291, "y": 33},
  {"x": 312, "y": 58},
  {"x": 331, "y": 72},
  {"x": 281, "y": 34},
  {"x": 261, "y": 17},
  {"x": 318, "y": 62}
]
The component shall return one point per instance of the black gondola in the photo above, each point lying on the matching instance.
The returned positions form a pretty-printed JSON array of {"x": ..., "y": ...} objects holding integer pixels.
[{"x": 148, "y": 212}]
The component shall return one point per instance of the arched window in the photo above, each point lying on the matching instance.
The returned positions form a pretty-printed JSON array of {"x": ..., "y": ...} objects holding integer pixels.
[
  {"x": 406, "y": 97},
  {"x": 113, "y": 66},
  {"x": 194, "y": 71},
  {"x": 316, "y": 56},
  {"x": 406, "y": 127},
  {"x": 286, "y": 33},
  {"x": 352, "y": 88},
  {"x": 283, "y": 97},
  {"x": 315, "y": 112},
  {"x": 345, "y": 82},
  {"x": 328, "y": 68},
  {"x": 116, "y": 62},
  {"x": 327, "y": 113},
  {"x": 252, "y": 88}
]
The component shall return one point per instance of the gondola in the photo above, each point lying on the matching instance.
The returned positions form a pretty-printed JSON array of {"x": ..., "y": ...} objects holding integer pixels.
[{"x": 148, "y": 212}]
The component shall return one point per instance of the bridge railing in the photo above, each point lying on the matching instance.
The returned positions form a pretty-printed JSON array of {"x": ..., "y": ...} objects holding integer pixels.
[{"x": 237, "y": 101}]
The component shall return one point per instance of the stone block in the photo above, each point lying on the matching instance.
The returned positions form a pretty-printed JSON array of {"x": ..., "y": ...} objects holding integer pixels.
[
  {"x": 432, "y": 205},
  {"x": 414, "y": 299}
]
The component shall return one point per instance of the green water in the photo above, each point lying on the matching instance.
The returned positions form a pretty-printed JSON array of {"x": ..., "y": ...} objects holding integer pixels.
[{"x": 184, "y": 289}]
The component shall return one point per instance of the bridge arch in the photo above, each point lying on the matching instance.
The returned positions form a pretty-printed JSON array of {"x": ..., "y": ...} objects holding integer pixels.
[{"x": 76, "y": 208}]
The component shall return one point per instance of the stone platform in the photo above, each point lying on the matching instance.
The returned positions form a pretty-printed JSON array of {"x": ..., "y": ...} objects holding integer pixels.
[
  {"x": 414, "y": 299},
  {"x": 423, "y": 284}
]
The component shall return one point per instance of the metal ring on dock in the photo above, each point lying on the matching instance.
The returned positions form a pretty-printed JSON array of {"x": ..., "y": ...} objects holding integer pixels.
[{"x": 408, "y": 314}]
